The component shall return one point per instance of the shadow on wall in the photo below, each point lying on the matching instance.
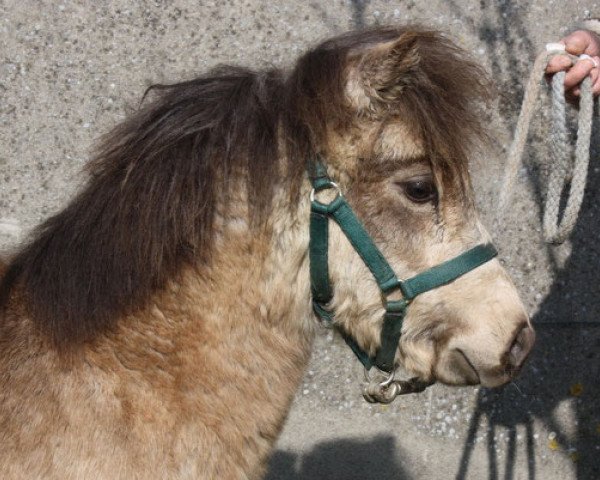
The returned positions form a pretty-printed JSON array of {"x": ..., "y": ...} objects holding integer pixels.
[
  {"x": 561, "y": 382},
  {"x": 340, "y": 460},
  {"x": 358, "y": 12},
  {"x": 562, "y": 379}
]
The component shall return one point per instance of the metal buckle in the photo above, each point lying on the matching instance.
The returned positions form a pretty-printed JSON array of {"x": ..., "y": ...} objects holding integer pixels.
[
  {"x": 386, "y": 382},
  {"x": 395, "y": 292},
  {"x": 396, "y": 295},
  {"x": 386, "y": 391},
  {"x": 313, "y": 192},
  {"x": 376, "y": 391}
]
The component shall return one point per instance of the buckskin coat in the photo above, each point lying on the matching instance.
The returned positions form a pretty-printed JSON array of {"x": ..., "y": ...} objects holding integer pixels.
[{"x": 158, "y": 326}]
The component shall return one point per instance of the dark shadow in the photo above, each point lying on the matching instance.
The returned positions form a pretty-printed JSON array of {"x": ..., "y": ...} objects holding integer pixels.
[
  {"x": 358, "y": 12},
  {"x": 510, "y": 50},
  {"x": 340, "y": 460},
  {"x": 565, "y": 364},
  {"x": 564, "y": 360}
]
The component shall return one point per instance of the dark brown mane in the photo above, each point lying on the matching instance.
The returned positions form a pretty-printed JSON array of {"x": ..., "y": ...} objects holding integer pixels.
[{"x": 149, "y": 205}]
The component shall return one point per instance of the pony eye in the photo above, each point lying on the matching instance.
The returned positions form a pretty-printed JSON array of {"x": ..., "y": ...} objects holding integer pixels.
[{"x": 420, "y": 191}]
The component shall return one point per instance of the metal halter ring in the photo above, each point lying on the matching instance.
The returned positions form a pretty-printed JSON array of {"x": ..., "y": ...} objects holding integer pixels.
[
  {"x": 313, "y": 192},
  {"x": 381, "y": 392},
  {"x": 394, "y": 290},
  {"x": 386, "y": 382}
]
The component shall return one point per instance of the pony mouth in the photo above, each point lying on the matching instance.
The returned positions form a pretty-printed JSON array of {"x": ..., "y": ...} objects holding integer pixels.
[
  {"x": 464, "y": 368},
  {"x": 471, "y": 375}
]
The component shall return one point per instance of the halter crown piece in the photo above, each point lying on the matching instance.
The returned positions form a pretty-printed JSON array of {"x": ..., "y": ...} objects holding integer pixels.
[{"x": 395, "y": 310}]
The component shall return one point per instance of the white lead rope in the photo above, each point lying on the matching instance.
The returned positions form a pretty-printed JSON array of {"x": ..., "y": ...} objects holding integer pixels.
[{"x": 563, "y": 167}]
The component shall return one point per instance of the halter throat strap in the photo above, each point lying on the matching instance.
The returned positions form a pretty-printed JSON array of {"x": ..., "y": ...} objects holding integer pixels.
[{"x": 340, "y": 211}]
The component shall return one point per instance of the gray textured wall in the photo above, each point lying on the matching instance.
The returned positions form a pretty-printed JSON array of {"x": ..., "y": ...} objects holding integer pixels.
[{"x": 70, "y": 70}]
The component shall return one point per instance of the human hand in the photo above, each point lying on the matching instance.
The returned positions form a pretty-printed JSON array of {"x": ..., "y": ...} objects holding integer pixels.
[{"x": 578, "y": 43}]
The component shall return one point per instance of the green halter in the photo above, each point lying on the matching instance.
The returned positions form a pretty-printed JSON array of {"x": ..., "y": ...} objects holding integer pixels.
[{"x": 387, "y": 281}]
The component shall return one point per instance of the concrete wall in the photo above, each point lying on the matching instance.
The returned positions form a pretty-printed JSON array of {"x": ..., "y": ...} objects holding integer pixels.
[{"x": 70, "y": 70}]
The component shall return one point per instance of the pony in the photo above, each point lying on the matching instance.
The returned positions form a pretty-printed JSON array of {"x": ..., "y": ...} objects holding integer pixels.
[{"x": 159, "y": 325}]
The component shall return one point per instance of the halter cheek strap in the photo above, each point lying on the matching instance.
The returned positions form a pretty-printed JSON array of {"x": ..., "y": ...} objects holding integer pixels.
[{"x": 395, "y": 310}]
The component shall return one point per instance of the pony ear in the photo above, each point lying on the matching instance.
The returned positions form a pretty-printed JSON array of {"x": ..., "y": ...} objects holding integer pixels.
[{"x": 382, "y": 73}]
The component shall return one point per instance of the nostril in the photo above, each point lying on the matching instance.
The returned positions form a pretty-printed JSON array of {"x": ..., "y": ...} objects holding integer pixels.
[{"x": 521, "y": 346}]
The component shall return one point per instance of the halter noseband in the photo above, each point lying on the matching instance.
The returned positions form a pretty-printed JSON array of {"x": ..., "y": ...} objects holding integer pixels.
[{"x": 395, "y": 310}]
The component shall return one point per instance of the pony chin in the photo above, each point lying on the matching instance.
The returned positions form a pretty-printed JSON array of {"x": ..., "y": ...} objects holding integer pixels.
[{"x": 418, "y": 359}]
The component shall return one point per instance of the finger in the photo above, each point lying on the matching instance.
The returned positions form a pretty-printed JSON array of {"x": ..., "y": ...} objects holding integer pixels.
[
  {"x": 596, "y": 61},
  {"x": 596, "y": 86},
  {"x": 576, "y": 74},
  {"x": 594, "y": 75},
  {"x": 559, "y": 63},
  {"x": 578, "y": 42}
]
